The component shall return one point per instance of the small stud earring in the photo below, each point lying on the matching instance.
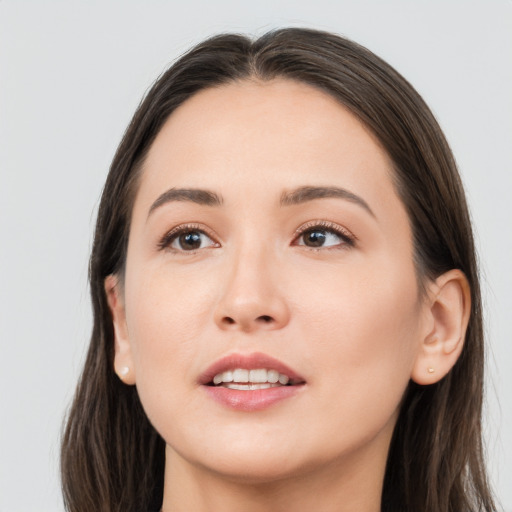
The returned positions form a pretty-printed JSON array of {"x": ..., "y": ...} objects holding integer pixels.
[
  {"x": 430, "y": 369},
  {"x": 124, "y": 371}
]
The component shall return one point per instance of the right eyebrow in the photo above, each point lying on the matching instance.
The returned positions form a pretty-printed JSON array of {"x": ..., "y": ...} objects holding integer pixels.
[
  {"x": 193, "y": 195},
  {"x": 309, "y": 193}
]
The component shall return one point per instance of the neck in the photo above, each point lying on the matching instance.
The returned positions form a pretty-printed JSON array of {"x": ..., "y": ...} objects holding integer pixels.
[{"x": 353, "y": 483}]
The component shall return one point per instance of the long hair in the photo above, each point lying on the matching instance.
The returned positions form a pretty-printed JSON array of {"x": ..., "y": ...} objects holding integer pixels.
[{"x": 112, "y": 457}]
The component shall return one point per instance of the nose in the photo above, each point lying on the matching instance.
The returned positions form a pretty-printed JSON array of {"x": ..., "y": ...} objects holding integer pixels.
[{"x": 252, "y": 298}]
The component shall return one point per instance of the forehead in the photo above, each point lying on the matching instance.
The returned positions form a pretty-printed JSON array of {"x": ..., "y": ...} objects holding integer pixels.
[
  {"x": 282, "y": 134},
  {"x": 249, "y": 113}
]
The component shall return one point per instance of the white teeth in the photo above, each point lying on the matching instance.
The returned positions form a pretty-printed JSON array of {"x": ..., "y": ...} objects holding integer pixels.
[
  {"x": 225, "y": 377},
  {"x": 273, "y": 376},
  {"x": 248, "y": 387},
  {"x": 259, "y": 378},
  {"x": 283, "y": 379},
  {"x": 240, "y": 375}
]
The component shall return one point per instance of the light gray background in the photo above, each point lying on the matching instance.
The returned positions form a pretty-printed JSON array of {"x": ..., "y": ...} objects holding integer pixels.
[{"x": 71, "y": 75}]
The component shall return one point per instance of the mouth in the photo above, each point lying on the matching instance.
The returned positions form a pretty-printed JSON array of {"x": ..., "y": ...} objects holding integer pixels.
[
  {"x": 250, "y": 382},
  {"x": 250, "y": 379},
  {"x": 257, "y": 370}
]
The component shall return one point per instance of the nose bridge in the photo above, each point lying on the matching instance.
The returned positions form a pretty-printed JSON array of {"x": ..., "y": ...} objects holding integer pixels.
[
  {"x": 251, "y": 296},
  {"x": 251, "y": 272}
]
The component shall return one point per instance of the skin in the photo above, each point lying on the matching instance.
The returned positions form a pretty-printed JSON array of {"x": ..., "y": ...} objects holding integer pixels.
[{"x": 348, "y": 317}]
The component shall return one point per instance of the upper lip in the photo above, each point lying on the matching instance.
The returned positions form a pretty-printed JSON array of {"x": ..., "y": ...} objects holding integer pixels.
[{"x": 248, "y": 362}]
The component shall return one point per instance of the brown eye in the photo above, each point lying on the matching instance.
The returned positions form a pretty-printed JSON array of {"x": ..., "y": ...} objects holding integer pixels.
[
  {"x": 314, "y": 238},
  {"x": 317, "y": 237},
  {"x": 187, "y": 240}
]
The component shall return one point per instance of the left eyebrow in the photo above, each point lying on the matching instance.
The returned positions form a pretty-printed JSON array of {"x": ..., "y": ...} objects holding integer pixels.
[
  {"x": 308, "y": 193},
  {"x": 192, "y": 195}
]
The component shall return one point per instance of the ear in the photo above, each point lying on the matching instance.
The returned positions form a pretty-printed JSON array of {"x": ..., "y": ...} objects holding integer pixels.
[
  {"x": 123, "y": 360},
  {"x": 449, "y": 306}
]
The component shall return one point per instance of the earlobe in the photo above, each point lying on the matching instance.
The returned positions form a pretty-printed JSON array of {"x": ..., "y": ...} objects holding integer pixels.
[
  {"x": 449, "y": 311},
  {"x": 123, "y": 361}
]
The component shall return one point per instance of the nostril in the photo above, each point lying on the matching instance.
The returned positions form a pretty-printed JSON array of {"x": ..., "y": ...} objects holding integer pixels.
[{"x": 247, "y": 324}]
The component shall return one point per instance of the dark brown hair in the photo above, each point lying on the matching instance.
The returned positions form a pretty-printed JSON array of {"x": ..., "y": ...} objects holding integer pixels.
[{"x": 113, "y": 459}]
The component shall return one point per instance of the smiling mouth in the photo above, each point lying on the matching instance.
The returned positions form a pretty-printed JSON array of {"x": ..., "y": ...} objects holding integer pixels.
[
  {"x": 248, "y": 380},
  {"x": 255, "y": 372}
]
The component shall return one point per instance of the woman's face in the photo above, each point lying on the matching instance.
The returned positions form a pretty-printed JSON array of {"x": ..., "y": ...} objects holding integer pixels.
[{"x": 267, "y": 235}]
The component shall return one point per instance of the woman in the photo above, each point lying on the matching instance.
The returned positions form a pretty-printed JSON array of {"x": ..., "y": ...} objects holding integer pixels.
[{"x": 286, "y": 301}]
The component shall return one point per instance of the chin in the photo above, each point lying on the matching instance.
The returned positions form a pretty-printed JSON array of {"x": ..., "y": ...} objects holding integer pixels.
[
  {"x": 257, "y": 472},
  {"x": 249, "y": 460}
]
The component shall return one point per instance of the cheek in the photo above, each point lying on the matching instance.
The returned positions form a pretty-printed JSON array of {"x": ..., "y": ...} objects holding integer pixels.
[
  {"x": 167, "y": 315},
  {"x": 369, "y": 305},
  {"x": 370, "y": 319},
  {"x": 365, "y": 341}
]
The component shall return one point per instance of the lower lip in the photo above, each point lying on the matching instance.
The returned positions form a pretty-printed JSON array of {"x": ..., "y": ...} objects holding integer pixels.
[{"x": 251, "y": 400}]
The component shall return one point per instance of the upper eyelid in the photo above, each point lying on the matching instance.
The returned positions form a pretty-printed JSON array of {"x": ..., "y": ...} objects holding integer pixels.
[
  {"x": 325, "y": 225},
  {"x": 192, "y": 226},
  {"x": 171, "y": 234}
]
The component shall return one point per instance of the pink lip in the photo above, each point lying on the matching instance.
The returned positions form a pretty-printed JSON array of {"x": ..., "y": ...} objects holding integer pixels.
[{"x": 253, "y": 400}]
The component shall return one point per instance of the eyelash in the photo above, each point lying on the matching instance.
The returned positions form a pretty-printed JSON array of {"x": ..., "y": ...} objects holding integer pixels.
[
  {"x": 173, "y": 234},
  {"x": 346, "y": 236}
]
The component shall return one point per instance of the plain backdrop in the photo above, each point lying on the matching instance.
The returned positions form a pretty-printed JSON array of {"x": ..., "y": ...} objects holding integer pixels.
[{"x": 71, "y": 75}]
